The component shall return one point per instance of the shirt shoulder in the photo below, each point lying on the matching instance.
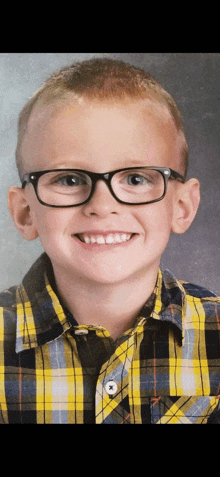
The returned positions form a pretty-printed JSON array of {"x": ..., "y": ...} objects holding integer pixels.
[
  {"x": 8, "y": 297},
  {"x": 190, "y": 304},
  {"x": 198, "y": 291},
  {"x": 8, "y": 313},
  {"x": 202, "y": 312},
  {"x": 209, "y": 300}
]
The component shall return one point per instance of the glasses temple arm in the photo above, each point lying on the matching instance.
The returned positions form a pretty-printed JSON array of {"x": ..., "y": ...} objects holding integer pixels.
[{"x": 176, "y": 175}]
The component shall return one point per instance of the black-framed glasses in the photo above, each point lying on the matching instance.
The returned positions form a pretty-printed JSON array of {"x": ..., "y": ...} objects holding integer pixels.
[{"x": 74, "y": 187}]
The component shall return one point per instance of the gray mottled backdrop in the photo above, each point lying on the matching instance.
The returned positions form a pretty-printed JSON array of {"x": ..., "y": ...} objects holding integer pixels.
[{"x": 193, "y": 79}]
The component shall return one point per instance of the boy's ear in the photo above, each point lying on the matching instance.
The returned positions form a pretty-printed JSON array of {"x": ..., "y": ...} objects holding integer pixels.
[
  {"x": 20, "y": 213},
  {"x": 186, "y": 205}
]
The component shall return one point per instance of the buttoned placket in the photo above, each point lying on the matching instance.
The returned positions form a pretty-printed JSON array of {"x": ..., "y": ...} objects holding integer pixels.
[{"x": 119, "y": 379}]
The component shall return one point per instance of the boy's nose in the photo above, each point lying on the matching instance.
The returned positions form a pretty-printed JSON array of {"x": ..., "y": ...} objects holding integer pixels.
[{"x": 102, "y": 202}]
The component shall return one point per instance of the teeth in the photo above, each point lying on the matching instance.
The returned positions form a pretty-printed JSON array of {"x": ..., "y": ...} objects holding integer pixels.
[
  {"x": 101, "y": 239},
  {"x": 86, "y": 239}
]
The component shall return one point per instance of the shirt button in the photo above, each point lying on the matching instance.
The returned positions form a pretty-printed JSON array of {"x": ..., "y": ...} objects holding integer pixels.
[
  {"x": 111, "y": 387},
  {"x": 81, "y": 332}
]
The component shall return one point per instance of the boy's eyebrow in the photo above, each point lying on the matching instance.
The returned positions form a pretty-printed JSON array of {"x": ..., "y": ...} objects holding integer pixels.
[
  {"x": 135, "y": 162},
  {"x": 78, "y": 165}
]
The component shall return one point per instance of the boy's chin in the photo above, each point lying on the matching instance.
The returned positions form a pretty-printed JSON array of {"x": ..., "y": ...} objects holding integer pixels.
[
  {"x": 116, "y": 274},
  {"x": 107, "y": 276}
]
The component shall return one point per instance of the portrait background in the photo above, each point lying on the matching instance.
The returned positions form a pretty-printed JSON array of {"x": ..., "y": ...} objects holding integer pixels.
[{"x": 193, "y": 80}]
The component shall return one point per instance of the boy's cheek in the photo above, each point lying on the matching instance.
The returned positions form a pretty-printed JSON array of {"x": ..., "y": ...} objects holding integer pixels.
[
  {"x": 48, "y": 220},
  {"x": 157, "y": 217}
]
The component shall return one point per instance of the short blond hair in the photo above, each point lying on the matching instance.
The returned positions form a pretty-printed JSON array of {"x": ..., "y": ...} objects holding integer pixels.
[{"x": 101, "y": 78}]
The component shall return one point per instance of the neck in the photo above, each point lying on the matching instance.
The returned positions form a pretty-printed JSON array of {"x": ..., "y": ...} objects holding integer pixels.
[{"x": 112, "y": 306}]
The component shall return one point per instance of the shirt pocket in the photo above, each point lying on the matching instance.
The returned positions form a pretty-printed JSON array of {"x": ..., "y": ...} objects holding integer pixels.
[{"x": 183, "y": 410}]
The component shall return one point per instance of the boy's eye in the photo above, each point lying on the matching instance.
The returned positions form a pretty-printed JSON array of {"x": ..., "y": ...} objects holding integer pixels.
[
  {"x": 65, "y": 182},
  {"x": 136, "y": 179},
  {"x": 70, "y": 180}
]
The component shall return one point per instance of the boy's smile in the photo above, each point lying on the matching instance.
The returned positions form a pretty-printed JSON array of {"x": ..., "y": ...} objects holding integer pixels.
[
  {"x": 99, "y": 237},
  {"x": 103, "y": 240}
]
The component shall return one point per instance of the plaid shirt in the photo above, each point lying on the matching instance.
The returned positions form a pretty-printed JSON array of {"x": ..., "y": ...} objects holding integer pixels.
[{"x": 164, "y": 370}]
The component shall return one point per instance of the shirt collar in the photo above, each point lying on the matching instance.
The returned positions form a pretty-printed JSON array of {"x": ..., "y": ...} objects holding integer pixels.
[
  {"x": 170, "y": 299},
  {"x": 167, "y": 303},
  {"x": 41, "y": 317}
]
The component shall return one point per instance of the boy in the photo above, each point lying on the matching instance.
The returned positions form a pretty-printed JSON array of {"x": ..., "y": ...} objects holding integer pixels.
[{"x": 96, "y": 333}]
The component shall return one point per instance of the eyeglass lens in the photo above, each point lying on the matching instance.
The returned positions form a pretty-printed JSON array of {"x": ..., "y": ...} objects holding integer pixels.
[{"x": 63, "y": 188}]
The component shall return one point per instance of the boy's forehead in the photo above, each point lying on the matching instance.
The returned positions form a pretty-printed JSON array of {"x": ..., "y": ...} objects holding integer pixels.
[{"x": 57, "y": 130}]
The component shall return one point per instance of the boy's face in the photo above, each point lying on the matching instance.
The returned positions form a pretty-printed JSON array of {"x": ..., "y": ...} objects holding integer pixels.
[{"x": 101, "y": 137}]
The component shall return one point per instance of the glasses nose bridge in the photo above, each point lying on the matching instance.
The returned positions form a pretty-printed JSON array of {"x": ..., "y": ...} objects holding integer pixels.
[
  {"x": 106, "y": 178},
  {"x": 96, "y": 176}
]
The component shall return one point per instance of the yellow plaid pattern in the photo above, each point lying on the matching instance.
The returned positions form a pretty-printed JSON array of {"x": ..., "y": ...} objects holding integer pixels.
[{"x": 165, "y": 370}]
